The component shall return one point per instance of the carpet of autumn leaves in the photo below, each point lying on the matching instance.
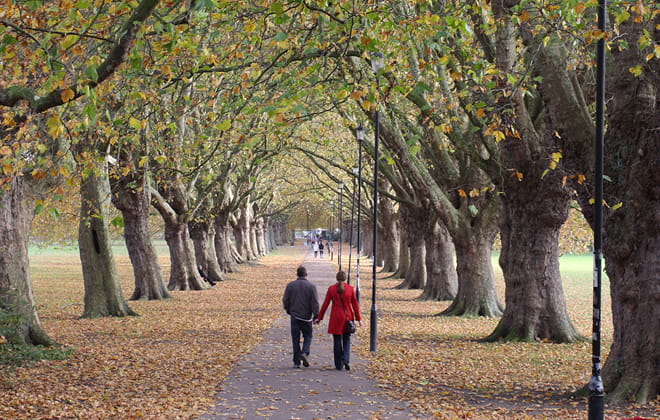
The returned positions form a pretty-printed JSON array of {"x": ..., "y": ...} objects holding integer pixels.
[
  {"x": 165, "y": 363},
  {"x": 439, "y": 364},
  {"x": 168, "y": 362}
]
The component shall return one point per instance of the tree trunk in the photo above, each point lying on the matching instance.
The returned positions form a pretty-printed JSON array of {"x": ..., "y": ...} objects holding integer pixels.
[
  {"x": 242, "y": 233},
  {"x": 388, "y": 235},
  {"x": 103, "y": 294},
  {"x": 535, "y": 305},
  {"x": 135, "y": 204},
  {"x": 223, "y": 244},
  {"x": 202, "y": 235},
  {"x": 404, "y": 254},
  {"x": 260, "y": 237},
  {"x": 415, "y": 220},
  {"x": 632, "y": 234},
  {"x": 476, "y": 282},
  {"x": 183, "y": 270},
  {"x": 368, "y": 235},
  {"x": 16, "y": 295},
  {"x": 441, "y": 278}
]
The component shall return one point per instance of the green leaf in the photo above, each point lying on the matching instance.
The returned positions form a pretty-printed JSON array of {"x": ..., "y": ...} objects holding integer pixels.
[
  {"x": 225, "y": 125},
  {"x": 92, "y": 73},
  {"x": 117, "y": 222},
  {"x": 280, "y": 36},
  {"x": 473, "y": 209},
  {"x": 134, "y": 123}
]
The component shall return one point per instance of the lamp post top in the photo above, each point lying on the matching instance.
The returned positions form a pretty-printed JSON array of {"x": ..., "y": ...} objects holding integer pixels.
[
  {"x": 360, "y": 132},
  {"x": 377, "y": 61}
]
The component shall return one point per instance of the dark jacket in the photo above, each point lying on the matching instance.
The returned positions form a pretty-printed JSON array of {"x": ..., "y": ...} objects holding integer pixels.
[{"x": 301, "y": 299}]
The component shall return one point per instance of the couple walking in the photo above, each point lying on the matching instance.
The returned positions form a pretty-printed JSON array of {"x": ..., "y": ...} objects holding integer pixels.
[{"x": 301, "y": 303}]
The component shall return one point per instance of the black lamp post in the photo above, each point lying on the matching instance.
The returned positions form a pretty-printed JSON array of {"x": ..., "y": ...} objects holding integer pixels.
[
  {"x": 596, "y": 389},
  {"x": 350, "y": 235},
  {"x": 308, "y": 232},
  {"x": 332, "y": 230},
  {"x": 340, "y": 190},
  {"x": 360, "y": 137},
  {"x": 377, "y": 63}
]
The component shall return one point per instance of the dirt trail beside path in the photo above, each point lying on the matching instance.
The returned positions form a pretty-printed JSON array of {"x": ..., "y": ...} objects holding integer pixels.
[{"x": 264, "y": 384}]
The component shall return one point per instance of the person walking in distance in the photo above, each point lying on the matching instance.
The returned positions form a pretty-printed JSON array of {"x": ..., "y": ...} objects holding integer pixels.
[
  {"x": 344, "y": 308},
  {"x": 301, "y": 302}
]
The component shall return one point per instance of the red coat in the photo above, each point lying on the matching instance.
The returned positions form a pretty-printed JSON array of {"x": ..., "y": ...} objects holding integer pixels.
[{"x": 340, "y": 301}]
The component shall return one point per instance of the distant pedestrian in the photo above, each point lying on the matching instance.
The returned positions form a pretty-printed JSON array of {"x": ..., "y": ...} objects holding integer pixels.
[
  {"x": 344, "y": 308},
  {"x": 315, "y": 247},
  {"x": 321, "y": 248},
  {"x": 301, "y": 302}
]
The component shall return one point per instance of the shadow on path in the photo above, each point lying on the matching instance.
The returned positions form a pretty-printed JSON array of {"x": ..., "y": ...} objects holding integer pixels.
[{"x": 264, "y": 384}]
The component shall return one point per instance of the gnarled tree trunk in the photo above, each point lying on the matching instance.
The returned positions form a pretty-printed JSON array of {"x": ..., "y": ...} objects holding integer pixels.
[
  {"x": 202, "y": 234},
  {"x": 223, "y": 244},
  {"x": 183, "y": 270},
  {"x": 414, "y": 221},
  {"x": 135, "y": 204},
  {"x": 535, "y": 304},
  {"x": 441, "y": 277},
  {"x": 404, "y": 254},
  {"x": 388, "y": 236},
  {"x": 103, "y": 294},
  {"x": 16, "y": 295},
  {"x": 476, "y": 282},
  {"x": 631, "y": 238}
]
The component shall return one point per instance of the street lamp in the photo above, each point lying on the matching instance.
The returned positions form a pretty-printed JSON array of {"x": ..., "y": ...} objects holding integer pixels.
[
  {"x": 377, "y": 63},
  {"x": 596, "y": 406},
  {"x": 332, "y": 230},
  {"x": 340, "y": 190},
  {"x": 308, "y": 232},
  {"x": 360, "y": 137},
  {"x": 350, "y": 237}
]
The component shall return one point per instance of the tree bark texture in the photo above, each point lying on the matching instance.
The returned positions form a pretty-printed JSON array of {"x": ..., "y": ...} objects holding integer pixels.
[
  {"x": 441, "y": 277},
  {"x": 631, "y": 237},
  {"x": 16, "y": 295},
  {"x": 476, "y": 282},
  {"x": 242, "y": 233},
  {"x": 202, "y": 234},
  {"x": 223, "y": 244},
  {"x": 415, "y": 223},
  {"x": 388, "y": 235},
  {"x": 183, "y": 271},
  {"x": 404, "y": 254},
  {"x": 533, "y": 211},
  {"x": 173, "y": 208},
  {"x": 103, "y": 294},
  {"x": 135, "y": 205}
]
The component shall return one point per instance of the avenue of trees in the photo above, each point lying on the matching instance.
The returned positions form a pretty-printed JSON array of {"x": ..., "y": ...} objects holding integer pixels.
[{"x": 231, "y": 120}]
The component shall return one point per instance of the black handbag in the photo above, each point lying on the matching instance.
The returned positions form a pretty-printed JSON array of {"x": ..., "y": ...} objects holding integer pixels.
[{"x": 349, "y": 327}]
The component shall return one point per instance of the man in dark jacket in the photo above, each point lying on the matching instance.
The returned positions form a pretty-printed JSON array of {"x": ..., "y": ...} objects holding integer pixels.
[{"x": 301, "y": 302}]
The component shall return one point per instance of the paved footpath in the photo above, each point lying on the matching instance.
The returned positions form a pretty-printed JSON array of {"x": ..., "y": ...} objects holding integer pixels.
[{"x": 264, "y": 384}]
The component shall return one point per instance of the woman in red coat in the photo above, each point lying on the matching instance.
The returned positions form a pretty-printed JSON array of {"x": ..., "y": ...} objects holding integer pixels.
[{"x": 344, "y": 307}]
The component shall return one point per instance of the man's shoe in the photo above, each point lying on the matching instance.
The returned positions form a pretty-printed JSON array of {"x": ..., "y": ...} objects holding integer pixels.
[
  {"x": 347, "y": 366},
  {"x": 303, "y": 357},
  {"x": 296, "y": 366}
]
